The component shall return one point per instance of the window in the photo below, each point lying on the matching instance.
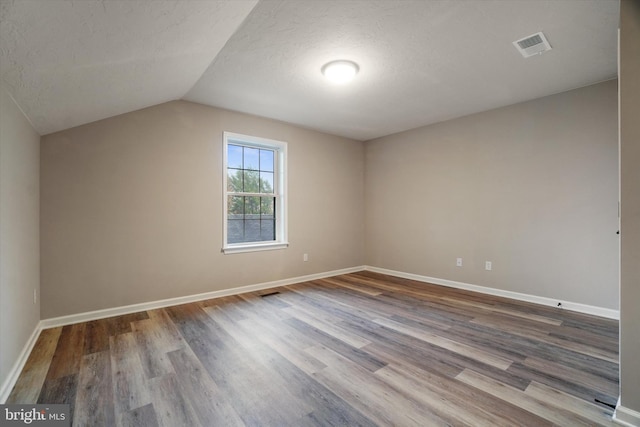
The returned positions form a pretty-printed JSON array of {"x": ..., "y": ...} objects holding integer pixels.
[{"x": 254, "y": 194}]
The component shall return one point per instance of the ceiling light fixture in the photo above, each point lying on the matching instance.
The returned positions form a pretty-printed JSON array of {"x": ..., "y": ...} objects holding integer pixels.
[{"x": 340, "y": 72}]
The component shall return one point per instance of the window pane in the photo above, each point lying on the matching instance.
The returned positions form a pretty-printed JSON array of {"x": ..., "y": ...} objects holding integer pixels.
[
  {"x": 234, "y": 156},
  {"x": 266, "y": 182},
  {"x": 235, "y": 207},
  {"x": 266, "y": 207},
  {"x": 235, "y": 230},
  {"x": 251, "y": 181},
  {"x": 252, "y": 207},
  {"x": 252, "y": 230},
  {"x": 251, "y": 158},
  {"x": 266, "y": 160},
  {"x": 267, "y": 230},
  {"x": 234, "y": 180}
]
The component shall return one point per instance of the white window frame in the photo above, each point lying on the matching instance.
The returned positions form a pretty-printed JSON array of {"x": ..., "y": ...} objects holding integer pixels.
[{"x": 280, "y": 192}]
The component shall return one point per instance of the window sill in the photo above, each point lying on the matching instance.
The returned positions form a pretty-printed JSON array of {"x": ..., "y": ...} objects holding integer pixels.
[{"x": 254, "y": 247}]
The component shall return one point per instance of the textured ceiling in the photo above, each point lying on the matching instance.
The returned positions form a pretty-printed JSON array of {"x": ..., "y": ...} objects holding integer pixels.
[{"x": 70, "y": 62}]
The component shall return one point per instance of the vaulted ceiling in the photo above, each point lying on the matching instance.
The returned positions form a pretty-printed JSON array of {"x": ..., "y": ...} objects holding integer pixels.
[{"x": 70, "y": 62}]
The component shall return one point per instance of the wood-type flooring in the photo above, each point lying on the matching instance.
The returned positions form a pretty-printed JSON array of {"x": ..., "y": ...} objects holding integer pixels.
[{"x": 357, "y": 349}]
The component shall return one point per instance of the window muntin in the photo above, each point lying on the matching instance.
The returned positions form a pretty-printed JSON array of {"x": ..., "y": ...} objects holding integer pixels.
[{"x": 254, "y": 200}]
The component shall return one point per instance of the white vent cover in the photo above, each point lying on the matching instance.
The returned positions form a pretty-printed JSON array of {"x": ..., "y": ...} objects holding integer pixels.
[{"x": 532, "y": 45}]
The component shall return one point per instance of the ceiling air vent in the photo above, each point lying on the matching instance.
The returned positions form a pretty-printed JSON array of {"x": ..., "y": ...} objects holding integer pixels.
[{"x": 532, "y": 45}]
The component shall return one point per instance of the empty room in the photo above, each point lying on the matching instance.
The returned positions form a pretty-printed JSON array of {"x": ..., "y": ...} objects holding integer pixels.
[{"x": 331, "y": 213}]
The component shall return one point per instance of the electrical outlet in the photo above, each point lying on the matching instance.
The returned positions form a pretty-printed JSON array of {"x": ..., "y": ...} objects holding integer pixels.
[
  {"x": 458, "y": 262},
  {"x": 35, "y": 296},
  {"x": 305, "y": 257},
  {"x": 487, "y": 265}
]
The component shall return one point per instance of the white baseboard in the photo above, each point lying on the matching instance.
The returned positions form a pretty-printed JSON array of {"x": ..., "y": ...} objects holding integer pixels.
[
  {"x": 626, "y": 417},
  {"x": 134, "y": 308},
  {"x": 567, "y": 305},
  {"x": 16, "y": 369}
]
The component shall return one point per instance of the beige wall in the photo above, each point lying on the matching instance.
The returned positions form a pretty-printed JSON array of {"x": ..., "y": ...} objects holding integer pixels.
[
  {"x": 630, "y": 205},
  {"x": 19, "y": 239},
  {"x": 531, "y": 187},
  {"x": 132, "y": 208}
]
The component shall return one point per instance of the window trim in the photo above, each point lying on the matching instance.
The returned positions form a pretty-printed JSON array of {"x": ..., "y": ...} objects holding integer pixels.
[{"x": 280, "y": 191}]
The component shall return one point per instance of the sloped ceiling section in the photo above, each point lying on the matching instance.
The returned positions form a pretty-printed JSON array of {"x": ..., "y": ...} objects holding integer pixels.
[
  {"x": 72, "y": 62},
  {"x": 69, "y": 62}
]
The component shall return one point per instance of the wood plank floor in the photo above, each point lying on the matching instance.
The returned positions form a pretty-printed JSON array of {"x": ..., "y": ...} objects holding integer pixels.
[{"x": 358, "y": 349}]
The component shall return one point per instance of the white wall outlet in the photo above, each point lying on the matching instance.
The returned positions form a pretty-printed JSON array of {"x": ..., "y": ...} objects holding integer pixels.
[
  {"x": 487, "y": 265},
  {"x": 35, "y": 296},
  {"x": 458, "y": 262},
  {"x": 305, "y": 257}
]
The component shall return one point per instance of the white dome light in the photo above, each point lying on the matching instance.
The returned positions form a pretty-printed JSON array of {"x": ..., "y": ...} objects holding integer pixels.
[{"x": 340, "y": 72}]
